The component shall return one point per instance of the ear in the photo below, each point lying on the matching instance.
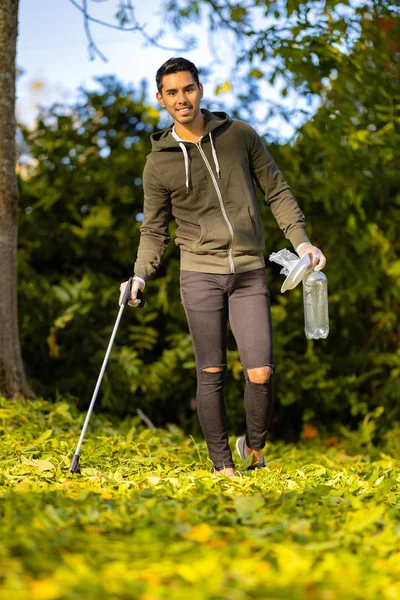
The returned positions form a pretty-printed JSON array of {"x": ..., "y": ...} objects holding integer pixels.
[
  {"x": 160, "y": 99},
  {"x": 201, "y": 90}
]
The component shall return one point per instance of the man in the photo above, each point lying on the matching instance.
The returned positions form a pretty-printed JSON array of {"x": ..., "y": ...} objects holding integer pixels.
[{"x": 202, "y": 171}]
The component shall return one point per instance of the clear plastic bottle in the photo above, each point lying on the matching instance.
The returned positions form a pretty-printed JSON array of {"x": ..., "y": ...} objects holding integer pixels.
[{"x": 315, "y": 294}]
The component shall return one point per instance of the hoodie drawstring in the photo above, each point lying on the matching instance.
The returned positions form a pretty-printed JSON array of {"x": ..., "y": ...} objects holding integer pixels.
[
  {"x": 186, "y": 157},
  {"x": 215, "y": 157}
]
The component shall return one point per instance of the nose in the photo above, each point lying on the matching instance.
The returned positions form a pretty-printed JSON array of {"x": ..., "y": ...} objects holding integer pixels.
[{"x": 182, "y": 97}]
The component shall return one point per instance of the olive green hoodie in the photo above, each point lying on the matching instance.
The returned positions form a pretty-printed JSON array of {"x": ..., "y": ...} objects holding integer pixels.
[{"x": 208, "y": 188}]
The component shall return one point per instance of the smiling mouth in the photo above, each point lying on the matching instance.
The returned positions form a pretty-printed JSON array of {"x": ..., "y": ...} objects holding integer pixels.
[{"x": 184, "y": 109}]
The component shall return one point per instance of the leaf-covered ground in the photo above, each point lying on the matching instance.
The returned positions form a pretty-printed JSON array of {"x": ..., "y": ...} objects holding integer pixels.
[{"x": 147, "y": 520}]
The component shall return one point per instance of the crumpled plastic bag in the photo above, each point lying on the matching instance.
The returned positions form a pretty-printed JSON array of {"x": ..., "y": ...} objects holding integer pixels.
[{"x": 286, "y": 258}]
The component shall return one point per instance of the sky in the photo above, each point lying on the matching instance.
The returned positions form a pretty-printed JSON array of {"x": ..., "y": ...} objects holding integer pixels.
[
  {"x": 52, "y": 51},
  {"x": 53, "y": 56}
]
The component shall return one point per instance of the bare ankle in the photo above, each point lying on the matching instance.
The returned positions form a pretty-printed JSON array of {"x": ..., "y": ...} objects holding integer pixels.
[
  {"x": 226, "y": 471},
  {"x": 256, "y": 453}
]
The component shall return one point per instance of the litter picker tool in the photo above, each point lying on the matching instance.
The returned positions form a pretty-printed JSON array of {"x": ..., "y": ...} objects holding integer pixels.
[{"x": 75, "y": 467}]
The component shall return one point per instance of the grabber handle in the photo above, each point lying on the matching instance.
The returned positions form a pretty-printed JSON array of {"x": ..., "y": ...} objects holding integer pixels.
[{"x": 127, "y": 294}]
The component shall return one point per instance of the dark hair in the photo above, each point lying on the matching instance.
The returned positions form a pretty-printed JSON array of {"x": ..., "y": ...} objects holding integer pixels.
[{"x": 175, "y": 65}]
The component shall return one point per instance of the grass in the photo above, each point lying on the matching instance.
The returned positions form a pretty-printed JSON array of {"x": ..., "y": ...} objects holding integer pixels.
[{"x": 146, "y": 519}]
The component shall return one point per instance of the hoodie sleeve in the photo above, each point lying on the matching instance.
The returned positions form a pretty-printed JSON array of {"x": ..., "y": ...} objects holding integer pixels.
[
  {"x": 277, "y": 193},
  {"x": 154, "y": 235}
]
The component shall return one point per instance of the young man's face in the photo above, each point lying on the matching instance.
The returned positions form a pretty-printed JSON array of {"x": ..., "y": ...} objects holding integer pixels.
[{"x": 181, "y": 96}]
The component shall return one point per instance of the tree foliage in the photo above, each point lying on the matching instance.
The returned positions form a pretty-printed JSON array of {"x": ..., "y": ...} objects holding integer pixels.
[
  {"x": 81, "y": 196},
  {"x": 294, "y": 46},
  {"x": 343, "y": 168}
]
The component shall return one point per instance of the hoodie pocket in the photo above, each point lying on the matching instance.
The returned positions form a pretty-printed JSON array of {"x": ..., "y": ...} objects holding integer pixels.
[
  {"x": 214, "y": 235},
  {"x": 248, "y": 232},
  {"x": 188, "y": 233}
]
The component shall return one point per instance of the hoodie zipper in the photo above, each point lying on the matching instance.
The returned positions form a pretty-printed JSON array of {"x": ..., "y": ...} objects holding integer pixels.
[{"x": 221, "y": 203}]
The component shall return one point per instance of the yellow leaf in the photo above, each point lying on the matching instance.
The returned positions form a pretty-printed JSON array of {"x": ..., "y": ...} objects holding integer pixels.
[
  {"x": 54, "y": 348},
  {"x": 393, "y": 269},
  {"x": 153, "y": 113},
  {"x": 292, "y": 561},
  {"x": 363, "y": 519},
  {"x": 148, "y": 596},
  {"x": 154, "y": 480},
  {"x": 256, "y": 73},
  {"x": 362, "y": 135},
  {"x": 46, "y": 589},
  {"x": 262, "y": 567},
  {"x": 40, "y": 465},
  {"x": 37, "y": 524},
  {"x": 37, "y": 86},
  {"x": 224, "y": 87},
  {"x": 200, "y": 533},
  {"x": 205, "y": 568}
]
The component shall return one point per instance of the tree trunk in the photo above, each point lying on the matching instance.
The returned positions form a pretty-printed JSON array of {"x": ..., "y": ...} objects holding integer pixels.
[{"x": 12, "y": 377}]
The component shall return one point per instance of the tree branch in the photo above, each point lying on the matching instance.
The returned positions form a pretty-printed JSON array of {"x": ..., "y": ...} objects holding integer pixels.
[
  {"x": 92, "y": 48},
  {"x": 136, "y": 26}
]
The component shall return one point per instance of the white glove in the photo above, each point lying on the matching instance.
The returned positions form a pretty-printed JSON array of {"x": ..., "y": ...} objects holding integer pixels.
[
  {"x": 137, "y": 284},
  {"x": 318, "y": 259}
]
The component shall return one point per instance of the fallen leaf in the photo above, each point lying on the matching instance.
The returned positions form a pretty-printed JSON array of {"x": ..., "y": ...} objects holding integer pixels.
[
  {"x": 40, "y": 465},
  {"x": 199, "y": 533}
]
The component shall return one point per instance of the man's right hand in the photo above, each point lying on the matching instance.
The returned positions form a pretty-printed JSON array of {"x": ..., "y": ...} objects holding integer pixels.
[{"x": 137, "y": 284}]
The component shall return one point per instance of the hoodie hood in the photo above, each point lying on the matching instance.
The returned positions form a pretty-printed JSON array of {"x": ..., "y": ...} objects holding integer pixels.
[
  {"x": 168, "y": 139},
  {"x": 162, "y": 140}
]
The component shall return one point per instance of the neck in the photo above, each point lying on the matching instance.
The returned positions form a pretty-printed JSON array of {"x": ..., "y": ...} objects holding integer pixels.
[{"x": 191, "y": 131}]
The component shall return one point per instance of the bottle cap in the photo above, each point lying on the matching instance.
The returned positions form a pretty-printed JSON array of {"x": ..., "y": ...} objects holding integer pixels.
[{"x": 297, "y": 274}]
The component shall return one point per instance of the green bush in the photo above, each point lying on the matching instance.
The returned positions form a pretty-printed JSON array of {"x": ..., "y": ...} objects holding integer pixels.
[{"x": 81, "y": 199}]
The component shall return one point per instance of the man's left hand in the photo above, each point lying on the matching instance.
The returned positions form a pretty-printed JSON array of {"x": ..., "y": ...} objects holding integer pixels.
[{"x": 318, "y": 259}]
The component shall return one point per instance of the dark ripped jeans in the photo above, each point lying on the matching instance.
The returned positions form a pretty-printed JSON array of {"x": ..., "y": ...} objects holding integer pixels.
[{"x": 209, "y": 301}]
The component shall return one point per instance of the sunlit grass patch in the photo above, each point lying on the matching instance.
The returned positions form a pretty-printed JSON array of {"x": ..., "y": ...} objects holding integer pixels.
[{"x": 146, "y": 519}]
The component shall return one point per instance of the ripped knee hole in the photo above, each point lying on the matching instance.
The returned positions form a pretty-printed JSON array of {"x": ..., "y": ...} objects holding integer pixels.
[{"x": 260, "y": 374}]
